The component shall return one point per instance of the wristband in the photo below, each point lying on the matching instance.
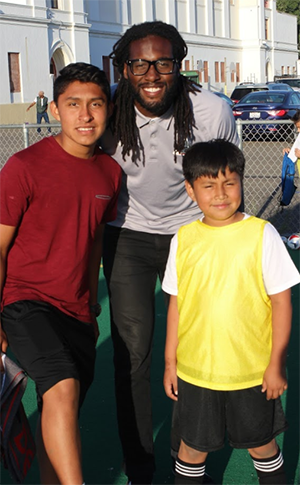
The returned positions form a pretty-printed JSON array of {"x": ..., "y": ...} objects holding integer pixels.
[{"x": 96, "y": 309}]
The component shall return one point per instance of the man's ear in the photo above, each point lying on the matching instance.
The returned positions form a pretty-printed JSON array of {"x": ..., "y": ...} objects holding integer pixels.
[
  {"x": 54, "y": 110},
  {"x": 110, "y": 109},
  {"x": 190, "y": 190},
  {"x": 125, "y": 71}
]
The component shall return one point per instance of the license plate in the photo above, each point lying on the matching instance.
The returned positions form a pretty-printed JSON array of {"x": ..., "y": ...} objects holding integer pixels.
[{"x": 254, "y": 115}]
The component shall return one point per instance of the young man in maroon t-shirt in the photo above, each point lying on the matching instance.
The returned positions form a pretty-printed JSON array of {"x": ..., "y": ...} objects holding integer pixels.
[{"x": 55, "y": 198}]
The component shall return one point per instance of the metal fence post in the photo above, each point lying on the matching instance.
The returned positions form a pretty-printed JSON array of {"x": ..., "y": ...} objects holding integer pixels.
[
  {"x": 25, "y": 135},
  {"x": 239, "y": 129}
]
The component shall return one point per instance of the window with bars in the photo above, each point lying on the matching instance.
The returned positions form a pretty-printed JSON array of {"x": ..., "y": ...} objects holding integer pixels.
[
  {"x": 14, "y": 72},
  {"x": 217, "y": 72}
]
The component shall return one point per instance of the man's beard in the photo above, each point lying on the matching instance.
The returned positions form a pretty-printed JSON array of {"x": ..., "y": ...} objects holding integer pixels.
[{"x": 160, "y": 107}]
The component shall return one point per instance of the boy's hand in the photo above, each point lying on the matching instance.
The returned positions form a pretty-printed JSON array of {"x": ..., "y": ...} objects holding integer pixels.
[
  {"x": 96, "y": 328},
  {"x": 170, "y": 382},
  {"x": 3, "y": 340},
  {"x": 3, "y": 345},
  {"x": 286, "y": 150},
  {"x": 274, "y": 382},
  {"x": 297, "y": 152}
]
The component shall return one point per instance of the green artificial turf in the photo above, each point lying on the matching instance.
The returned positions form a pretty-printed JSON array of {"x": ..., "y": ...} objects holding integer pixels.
[{"x": 102, "y": 458}]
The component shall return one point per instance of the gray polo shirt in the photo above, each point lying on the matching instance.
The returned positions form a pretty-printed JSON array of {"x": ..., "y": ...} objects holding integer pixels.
[{"x": 153, "y": 198}]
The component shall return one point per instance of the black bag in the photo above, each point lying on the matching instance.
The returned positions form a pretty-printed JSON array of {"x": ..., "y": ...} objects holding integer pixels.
[
  {"x": 287, "y": 180},
  {"x": 17, "y": 442}
]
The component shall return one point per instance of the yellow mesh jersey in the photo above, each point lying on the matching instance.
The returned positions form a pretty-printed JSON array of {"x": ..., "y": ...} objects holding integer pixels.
[{"x": 225, "y": 317}]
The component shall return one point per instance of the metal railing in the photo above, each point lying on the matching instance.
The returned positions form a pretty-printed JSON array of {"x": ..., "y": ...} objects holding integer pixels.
[{"x": 261, "y": 142}]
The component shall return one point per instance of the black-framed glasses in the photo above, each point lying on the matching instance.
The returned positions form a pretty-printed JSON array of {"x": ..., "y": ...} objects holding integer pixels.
[{"x": 139, "y": 67}]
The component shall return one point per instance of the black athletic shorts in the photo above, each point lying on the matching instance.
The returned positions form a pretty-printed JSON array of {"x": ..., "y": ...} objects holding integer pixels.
[
  {"x": 205, "y": 416},
  {"x": 50, "y": 345}
]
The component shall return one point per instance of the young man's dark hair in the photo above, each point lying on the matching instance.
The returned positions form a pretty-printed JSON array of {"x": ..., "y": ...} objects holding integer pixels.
[
  {"x": 215, "y": 155},
  {"x": 124, "y": 122},
  {"x": 82, "y": 72}
]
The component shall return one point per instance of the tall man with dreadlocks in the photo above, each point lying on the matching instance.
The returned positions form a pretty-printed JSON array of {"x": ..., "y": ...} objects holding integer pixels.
[{"x": 158, "y": 114}]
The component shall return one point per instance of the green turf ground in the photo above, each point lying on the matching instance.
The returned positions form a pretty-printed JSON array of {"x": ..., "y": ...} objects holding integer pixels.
[{"x": 101, "y": 450}]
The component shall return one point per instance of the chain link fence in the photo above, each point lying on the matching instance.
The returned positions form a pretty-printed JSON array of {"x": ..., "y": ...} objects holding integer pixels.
[
  {"x": 262, "y": 144},
  {"x": 14, "y": 138}
]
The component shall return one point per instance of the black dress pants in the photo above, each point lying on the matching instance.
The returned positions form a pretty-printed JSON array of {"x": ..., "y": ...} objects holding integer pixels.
[{"x": 132, "y": 261}]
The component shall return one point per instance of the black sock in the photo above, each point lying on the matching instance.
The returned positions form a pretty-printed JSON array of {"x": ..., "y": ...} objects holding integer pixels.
[
  {"x": 188, "y": 473},
  {"x": 270, "y": 471}
]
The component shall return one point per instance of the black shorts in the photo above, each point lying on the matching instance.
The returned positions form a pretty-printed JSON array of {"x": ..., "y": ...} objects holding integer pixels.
[
  {"x": 50, "y": 345},
  {"x": 204, "y": 416}
]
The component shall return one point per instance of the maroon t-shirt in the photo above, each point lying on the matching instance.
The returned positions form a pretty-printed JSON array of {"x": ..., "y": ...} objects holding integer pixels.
[{"x": 57, "y": 201}]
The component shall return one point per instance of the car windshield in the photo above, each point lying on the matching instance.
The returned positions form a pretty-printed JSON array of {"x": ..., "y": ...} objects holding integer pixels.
[
  {"x": 294, "y": 83},
  {"x": 263, "y": 97}
]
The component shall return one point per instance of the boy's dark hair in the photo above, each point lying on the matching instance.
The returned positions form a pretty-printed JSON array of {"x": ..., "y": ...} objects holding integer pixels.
[
  {"x": 123, "y": 121},
  {"x": 208, "y": 158},
  {"x": 296, "y": 117},
  {"x": 82, "y": 72}
]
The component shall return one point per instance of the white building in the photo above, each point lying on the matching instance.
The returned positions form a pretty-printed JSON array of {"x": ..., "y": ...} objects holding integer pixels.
[{"x": 229, "y": 41}]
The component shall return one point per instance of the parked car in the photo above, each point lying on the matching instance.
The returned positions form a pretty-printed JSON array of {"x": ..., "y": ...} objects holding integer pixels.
[
  {"x": 267, "y": 105},
  {"x": 279, "y": 87},
  {"x": 291, "y": 81},
  {"x": 245, "y": 88},
  {"x": 226, "y": 98}
]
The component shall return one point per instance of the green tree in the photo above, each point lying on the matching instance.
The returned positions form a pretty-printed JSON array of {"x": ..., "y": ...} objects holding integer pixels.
[{"x": 290, "y": 6}]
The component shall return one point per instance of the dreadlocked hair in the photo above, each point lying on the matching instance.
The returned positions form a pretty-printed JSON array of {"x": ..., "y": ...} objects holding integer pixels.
[{"x": 124, "y": 118}]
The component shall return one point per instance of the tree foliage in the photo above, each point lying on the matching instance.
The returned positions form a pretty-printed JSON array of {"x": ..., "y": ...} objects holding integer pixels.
[{"x": 290, "y": 6}]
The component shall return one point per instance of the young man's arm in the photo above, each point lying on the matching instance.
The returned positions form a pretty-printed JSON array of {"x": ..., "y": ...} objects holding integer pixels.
[
  {"x": 6, "y": 237},
  {"x": 274, "y": 381},
  {"x": 170, "y": 376},
  {"x": 94, "y": 266}
]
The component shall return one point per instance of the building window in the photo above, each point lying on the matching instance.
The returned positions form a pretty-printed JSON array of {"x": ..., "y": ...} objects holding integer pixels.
[
  {"x": 205, "y": 69},
  {"x": 237, "y": 69},
  {"x": 223, "y": 80},
  {"x": 106, "y": 66},
  {"x": 54, "y": 3},
  {"x": 267, "y": 29},
  {"x": 14, "y": 72},
  {"x": 217, "y": 73},
  {"x": 53, "y": 68},
  {"x": 288, "y": 70},
  {"x": 282, "y": 70},
  {"x": 116, "y": 75},
  {"x": 267, "y": 4}
]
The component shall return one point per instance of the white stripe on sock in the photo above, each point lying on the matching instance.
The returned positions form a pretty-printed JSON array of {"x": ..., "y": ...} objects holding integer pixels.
[
  {"x": 269, "y": 466},
  {"x": 189, "y": 471}
]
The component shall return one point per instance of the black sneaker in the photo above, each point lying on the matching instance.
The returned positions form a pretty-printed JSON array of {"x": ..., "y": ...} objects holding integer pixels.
[{"x": 208, "y": 479}]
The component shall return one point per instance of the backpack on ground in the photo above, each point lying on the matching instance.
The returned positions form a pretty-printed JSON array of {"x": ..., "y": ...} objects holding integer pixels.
[
  {"x": 287, "y": 180},
  {"x": 16, "y": 441}
]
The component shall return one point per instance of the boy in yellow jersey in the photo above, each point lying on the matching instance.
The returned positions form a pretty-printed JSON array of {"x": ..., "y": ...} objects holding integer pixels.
[{"x": 229, "y": 319}]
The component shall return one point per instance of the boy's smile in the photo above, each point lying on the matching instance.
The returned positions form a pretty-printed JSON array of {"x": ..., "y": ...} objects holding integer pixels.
[
  {"x": 83, "y": 111},
  {"x": 218, "y": 198}
]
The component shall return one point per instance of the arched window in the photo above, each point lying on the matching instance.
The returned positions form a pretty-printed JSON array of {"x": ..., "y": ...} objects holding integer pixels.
[{"x": 53, "y": 68}]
